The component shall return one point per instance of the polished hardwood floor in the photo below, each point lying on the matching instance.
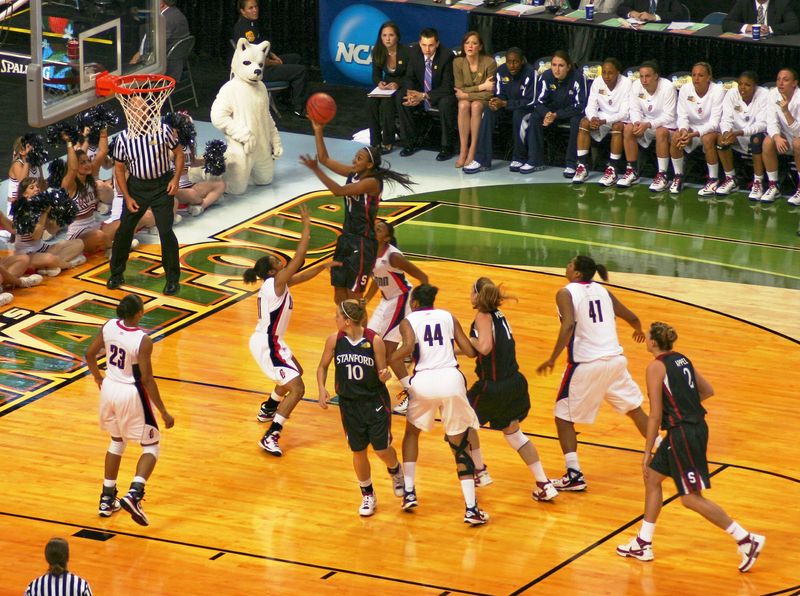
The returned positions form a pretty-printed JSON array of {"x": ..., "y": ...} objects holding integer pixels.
[{"x": 226, "y": 518}]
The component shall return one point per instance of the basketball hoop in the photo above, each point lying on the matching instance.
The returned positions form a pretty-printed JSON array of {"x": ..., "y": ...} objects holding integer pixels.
[{"x": 141, "y": 96}]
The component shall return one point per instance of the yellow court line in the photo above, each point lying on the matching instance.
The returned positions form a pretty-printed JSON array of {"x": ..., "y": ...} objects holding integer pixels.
[
  {"x": 601, "y": 244},
  {"x": 48, "y": 34}
]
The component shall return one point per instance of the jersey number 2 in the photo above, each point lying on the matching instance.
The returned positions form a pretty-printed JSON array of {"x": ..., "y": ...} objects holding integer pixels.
[
  {"x": 595, "y": 311},
  {"x": 117, "y": 357},
  {"x": 435, "y": 336}
]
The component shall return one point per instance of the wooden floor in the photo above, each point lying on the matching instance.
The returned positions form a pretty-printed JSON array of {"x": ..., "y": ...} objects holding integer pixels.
[{"x": 228, "y": 519}]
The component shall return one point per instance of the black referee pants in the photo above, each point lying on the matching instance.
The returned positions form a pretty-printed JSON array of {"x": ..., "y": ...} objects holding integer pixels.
[{"x": 148, "y": 194}]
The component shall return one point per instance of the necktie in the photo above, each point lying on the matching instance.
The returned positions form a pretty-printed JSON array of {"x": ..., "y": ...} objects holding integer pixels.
[
  {"x": 762, "y": 17},
  {"x": 428, "y": 81},
  {"x": 653, "y": 6}
]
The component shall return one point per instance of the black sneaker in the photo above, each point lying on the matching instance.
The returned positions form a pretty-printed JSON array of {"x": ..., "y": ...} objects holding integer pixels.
[
  {"x": 266, "y": 414},
  {"x": 109, "y": 505},
  {"x": 409, "y": 500},
  {"x": 132, "y": 503}
]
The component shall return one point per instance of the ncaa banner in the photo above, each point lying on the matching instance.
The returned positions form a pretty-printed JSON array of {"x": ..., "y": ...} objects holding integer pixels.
[{"x": 348, "y": 31}]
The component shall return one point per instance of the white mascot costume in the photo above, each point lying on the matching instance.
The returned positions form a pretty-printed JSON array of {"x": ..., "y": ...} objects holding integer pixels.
[{"x": 241, "y": 112}]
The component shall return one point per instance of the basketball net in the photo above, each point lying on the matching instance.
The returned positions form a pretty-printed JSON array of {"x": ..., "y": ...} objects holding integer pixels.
[{"x": 141, "y": 97}]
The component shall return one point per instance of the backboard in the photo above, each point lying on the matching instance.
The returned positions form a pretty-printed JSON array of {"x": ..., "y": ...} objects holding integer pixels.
[{"x": 72, "y": 41}]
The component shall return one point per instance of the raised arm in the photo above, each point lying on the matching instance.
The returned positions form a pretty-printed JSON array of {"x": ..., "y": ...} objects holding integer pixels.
[
  {"x": 102, "y": 153},
  {"x": 284, "y": 275},
  {"x": 68, "y": 181},
  {"x": 338, "y": 167},
  {"x": 322, "y": 370},
  {"x": 311, "y": 272},
  {"x": 399, "y": 261}
]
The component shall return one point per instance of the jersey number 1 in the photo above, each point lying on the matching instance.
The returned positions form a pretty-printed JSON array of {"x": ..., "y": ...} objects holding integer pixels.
[
  {"x": 595, "y": 311},
  {"x": 435, "y": 336}
]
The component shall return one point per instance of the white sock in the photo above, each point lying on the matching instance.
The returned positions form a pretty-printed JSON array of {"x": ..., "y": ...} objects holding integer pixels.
[
  {"x": 772, "y": 176},
  {"x": 280, "y": 419},
  {"x": 405, "y": 381},
  {"x": 646, "y": 531},
  {"x": 615, "y": 156},
  {"x": 538, "y": 471},
  {"x": 468, "y": 488},
  {"x": 275, "y": 396},
  {"x": 571, "y": 460},
  {"x": 731, "y": 174},
  {"x": 677, "y": 165},
  {"x": 663, "y": 164},
  {"x": 713, "y": 170},
  {"x": 409, "y": 470},
  {"x": 582, "y": 153},
  {"x": 365, "y": 483},
  {"x": 139, "y": 479},
  {"x": 477, "y": 459},
  {"x": 737, "y": 531},
  {"x": 109, "y": 483}
]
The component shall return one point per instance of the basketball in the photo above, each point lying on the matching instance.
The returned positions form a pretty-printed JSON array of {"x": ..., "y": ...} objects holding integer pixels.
[{"x": 321, "y": 108}]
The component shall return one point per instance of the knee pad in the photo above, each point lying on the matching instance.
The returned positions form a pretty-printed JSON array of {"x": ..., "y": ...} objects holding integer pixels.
[
  {"x": 151, "y": 450},
  {"x": 465, "y": 467},
  {"x": 517, "y": 440},
  {"x": 117, "y": 447},
  {"x": 756, "y": 142}
]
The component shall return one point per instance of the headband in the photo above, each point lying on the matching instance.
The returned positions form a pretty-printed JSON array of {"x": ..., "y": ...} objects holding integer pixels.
[
  {"x": 344, "y": 312},
  {"x": 372, "y": 157}
]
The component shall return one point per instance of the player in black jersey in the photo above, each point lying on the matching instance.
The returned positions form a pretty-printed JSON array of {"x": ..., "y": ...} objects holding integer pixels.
[
  {"x": 364, "y": 402},
  {"x": 500, "y": 395},
  {"x": 675, "y": 389},
  {"x": 356, "y": 247}
]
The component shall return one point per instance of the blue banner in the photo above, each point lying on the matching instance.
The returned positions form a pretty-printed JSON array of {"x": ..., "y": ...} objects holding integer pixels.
[{"x": 348, "y": 31}]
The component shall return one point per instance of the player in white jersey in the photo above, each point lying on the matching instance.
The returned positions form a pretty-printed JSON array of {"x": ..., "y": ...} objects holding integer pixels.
[
  {"x": 742, "y": 129},
  {"x": 606, "y": 112},
  {"x": 783, "y": 131},
  {"x": 438, "y": 386},
  {"x": 267, "y": 345},
  {"x": 596, "y": 368},
  {"x": 388, "y": 276},
  {"x": 652, "y": 117},
  {"x": 699, "y": 112},
  {"x": 127, "y": 394}
]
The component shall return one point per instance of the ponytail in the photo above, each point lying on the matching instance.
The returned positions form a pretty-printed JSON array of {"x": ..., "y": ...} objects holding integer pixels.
[
  {"x": 489, "y": 296},
  {"x": 664, "y": 335},
  {"x": 263, "y": 269}
]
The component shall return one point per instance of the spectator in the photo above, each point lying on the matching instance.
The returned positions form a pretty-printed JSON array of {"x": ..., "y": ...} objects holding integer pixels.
[
  {"x": 58, "y": 580},
  {"x": 652, "y": 10},
  {"x": 389, "y": 64},
  {"x": 783, "y": 131},
  {"x": 776, "y": 17},
  {"x": 429, "y": 84},
  {"x": 176, "y": 28},
  {"x": 286, "y": 67}
]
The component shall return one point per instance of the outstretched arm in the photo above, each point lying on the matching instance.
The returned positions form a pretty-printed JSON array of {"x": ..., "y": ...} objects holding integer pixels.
[
  {"x": 401, "y": 262},
  {"x": 311, "y": 272},
  {"x": 340, "y": 168},
  {"x": 367, "y": 185},
  {"x": 284, "y": 275}
]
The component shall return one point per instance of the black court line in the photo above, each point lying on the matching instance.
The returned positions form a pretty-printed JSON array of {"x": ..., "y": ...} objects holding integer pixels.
[
  {"x": 329, "y": 574},
  {"x": 520, "y": 269},
  {"x": 593, "y": 546},
  {"x": 793, "y": 591},
  {"x": 217, "y": 556},
  {"x": 222, "y": 551},
  {"x": 528, "y": 434}
]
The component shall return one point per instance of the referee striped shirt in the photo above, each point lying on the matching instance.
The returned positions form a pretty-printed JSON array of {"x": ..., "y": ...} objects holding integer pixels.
[
  {"x": 66, "y": 584},
  {"x": 147, "y": 156}
]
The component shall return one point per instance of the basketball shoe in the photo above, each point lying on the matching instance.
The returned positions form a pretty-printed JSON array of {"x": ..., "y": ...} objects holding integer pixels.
[
  {"x": 409, "y": 500},
  {"x": 544, "y": 491},
  {"x": 636, "y": 548},
  {"x": 398, "y": 483},
  {"x": 109, "y": 504},
  {"x": 269, "y": 443},
  {"x": 482, "y": 477},
  {"x": 132, "y": 503},
  {"x": 368, "y": 504},
  {"x": 475, "y": 516},
  {"x": 265, "y": 414},
  {"x": 572, "y": 480},
  {"x": 402, "y": 406},
  {"x": 750, "y": 547}
]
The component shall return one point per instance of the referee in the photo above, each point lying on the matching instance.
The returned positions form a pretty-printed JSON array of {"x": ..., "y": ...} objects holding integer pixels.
[
  {"x": 58, "y": 581},
  {"x": 152, "y": 183}
]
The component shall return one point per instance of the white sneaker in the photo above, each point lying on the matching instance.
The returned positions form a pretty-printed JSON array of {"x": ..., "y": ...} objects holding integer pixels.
[
  {"x": 771, "y": 194},
  {"x": 482, "y": 478},
  {"x": 398, "y": 483},
  {"x": 609, "y": 176},
  {"x": 134, "y": 244},
  {"x": 629, "y": 178},
  {"x": 195, "y": 210},
  {"x": 750, "y": 548},
  {"x": 514, "y": 166},
  {"x": 47, "y": 236},
  {"x": 269, "y": 443},
  {"x": 6, "y": 298},
  {"x": 795, "y": 198},
  {"x": 756, "y": 192},
  {"x": 636, "y": 548},
  {"x": 178, "y": 218},
  {"x": 544, "y": 491},
  {"x": 368, "y": 503},
  {"x": 710, "y": 188},
  {"x": 659, "y": 183},
  {"x": 77, "y": 261},
  {"x": 581, "y": 174},
  {"x": 28, "y": 281},
  {"x": 49, "y": 272},
  {"x": 103, "y": 208},
  {"x": 676, "y": 186},
  {"x": 569, "y": 172},
  {"x": 727, "y": 186},
  {"x": 527, "y": 168}
]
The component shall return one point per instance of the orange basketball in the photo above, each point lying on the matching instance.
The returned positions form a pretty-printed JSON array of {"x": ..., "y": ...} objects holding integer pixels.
[{"x": 321, "y": 108}]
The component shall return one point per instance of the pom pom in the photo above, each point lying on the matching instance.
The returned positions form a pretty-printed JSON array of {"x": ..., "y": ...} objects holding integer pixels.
[
  {"x": 37, "y": 154},
  {"x": 183, "y": 126},
  {"x": 54, "y": 133},
  {"x": 215, "y": 157},
  {"x": 25, "y": 213},
  {"x": 96, "y": 119},
  {"x": 63, "y": 210},
  {"x": 56, "y": 172}
]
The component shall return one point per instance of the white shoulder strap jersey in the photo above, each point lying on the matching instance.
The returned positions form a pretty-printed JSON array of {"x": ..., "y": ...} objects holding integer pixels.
[
  {"x": 433, "y": 329},
  {"x": 391, "y": 281},
  {"x": 122, "y": 350},
  {"x": 595, "y": 333},
  {"x": 274, "y": 311}
]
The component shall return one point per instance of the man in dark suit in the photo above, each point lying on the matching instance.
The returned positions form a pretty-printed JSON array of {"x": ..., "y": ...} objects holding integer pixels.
[
  {"x": 776, "y": 17},
  {"x": 177, "y": 27},
  {"x": 652, "y": 10},
  {"x": 423, "y": 91}
]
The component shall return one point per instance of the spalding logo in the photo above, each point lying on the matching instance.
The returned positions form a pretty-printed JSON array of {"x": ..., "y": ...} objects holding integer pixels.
[{"x": 352, "y": 36}]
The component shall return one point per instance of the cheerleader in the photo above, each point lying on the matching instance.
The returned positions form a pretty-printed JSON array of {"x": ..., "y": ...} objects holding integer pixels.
[
  {"x": 21, "y": 168},
  {"x": 198, "y": 195},
  {"x": 783, "y": 132}
]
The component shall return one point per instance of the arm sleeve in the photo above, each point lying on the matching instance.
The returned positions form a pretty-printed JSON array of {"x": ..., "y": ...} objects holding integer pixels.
[
  {"x": 624, "y": 107},
  {"x": 668, "y": 113},
  {"x": 525, "y": 93},
  {"x": 447, "y": 83},
  {"x": 578, "y": 103},
  {"x": 726, "y": 119},
  {"x": 541, "y": 96},
  {"x": 712, "y": 124},
  {"x": 759, "y": 121},
  {"x": 490, "y": 70},
  {"x": 591, "y": 103},
  {"x": 683, "y": 113},
  {"x": 635, "y": 109},
  {"x": 773, "y": 122},
  {"x": 735, "y": 19},
  {"x": 787, "y": 21}
]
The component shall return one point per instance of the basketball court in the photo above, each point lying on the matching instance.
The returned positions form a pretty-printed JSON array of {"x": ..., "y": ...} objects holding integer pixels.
[{"x": 226, "y": 518}]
